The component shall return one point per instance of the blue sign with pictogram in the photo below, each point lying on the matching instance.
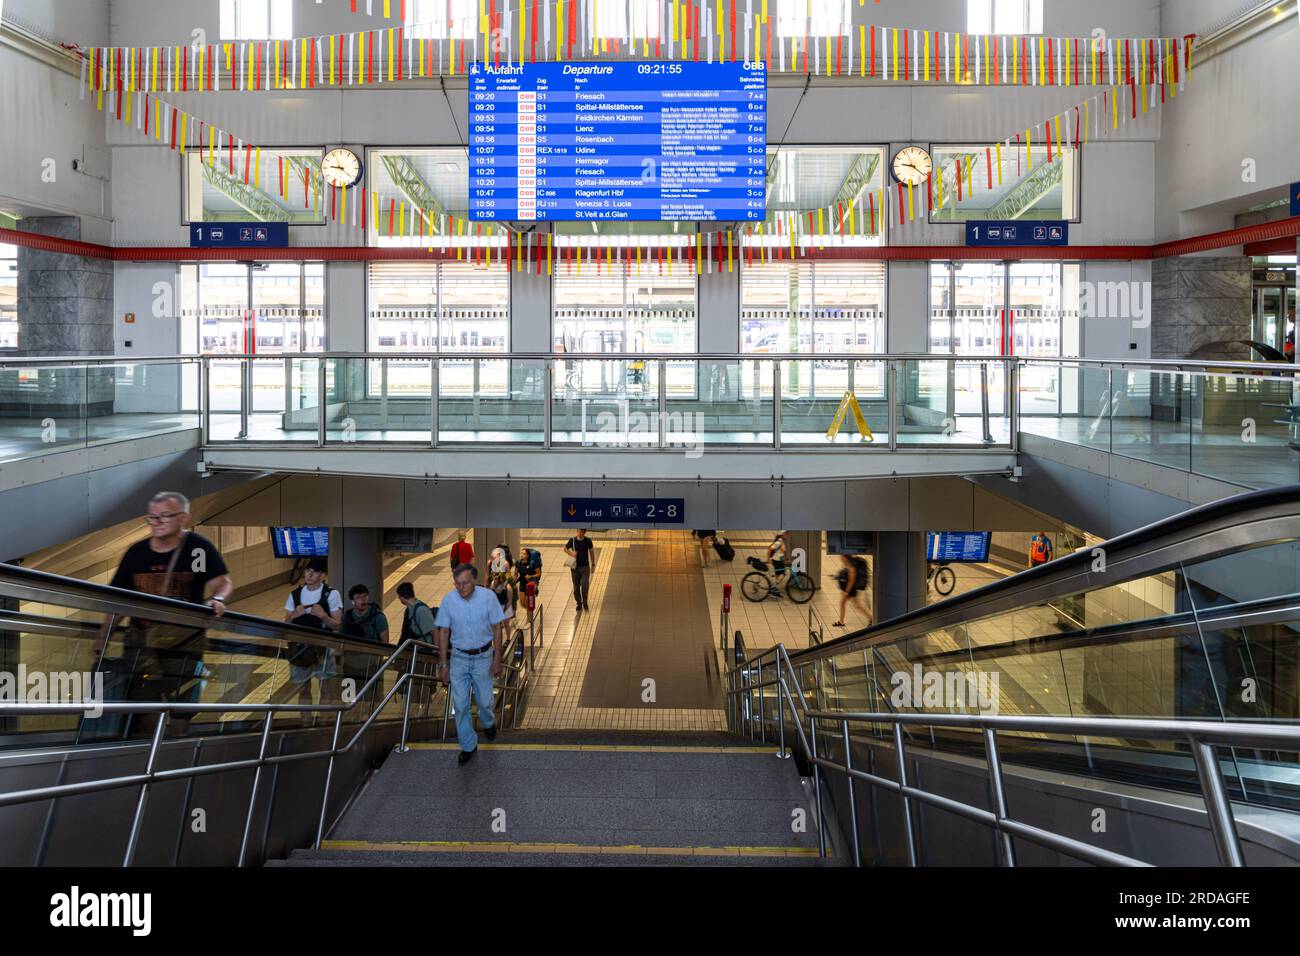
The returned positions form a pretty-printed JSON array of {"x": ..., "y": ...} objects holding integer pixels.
[
  {"x": 239, "y": 235},
  {"x": 624, "y": 511},
  {"x": 1295, "y": 199},
  {"x": 1021, "y": 232}
]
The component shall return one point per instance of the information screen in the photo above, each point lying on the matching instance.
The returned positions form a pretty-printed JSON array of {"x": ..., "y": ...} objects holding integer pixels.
[
  {"x": 301, "y": 542},
  {"x": 618, "y": 141},
  {"x": 967, "y": 547}
]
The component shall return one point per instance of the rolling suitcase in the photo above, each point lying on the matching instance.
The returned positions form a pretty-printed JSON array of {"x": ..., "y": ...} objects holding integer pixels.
[{"x": 722, "y": 547}]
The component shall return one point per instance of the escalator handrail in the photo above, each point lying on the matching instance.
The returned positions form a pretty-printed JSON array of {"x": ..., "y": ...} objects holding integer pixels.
[
  {"x": 29, "y": 584},
  {"x": 1130, "y": 555}
]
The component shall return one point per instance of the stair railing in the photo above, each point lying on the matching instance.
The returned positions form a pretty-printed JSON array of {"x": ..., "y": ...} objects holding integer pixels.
[{"x": 1201, "y": 736}]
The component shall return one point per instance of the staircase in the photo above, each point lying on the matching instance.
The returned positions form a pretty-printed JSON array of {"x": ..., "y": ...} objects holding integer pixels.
[{"x": 572, "y": 799}]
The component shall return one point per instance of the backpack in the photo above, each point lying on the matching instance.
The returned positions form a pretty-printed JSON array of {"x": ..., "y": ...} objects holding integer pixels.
[
  {"x": 408, "y": 631},
  {"x": 306, "y": 655},
  {"x": 362, "y": 628}
]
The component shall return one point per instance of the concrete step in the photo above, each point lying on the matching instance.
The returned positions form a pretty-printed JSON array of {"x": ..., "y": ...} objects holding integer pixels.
[
  {"x": 572, "y": 855},
  {"x": 554, "y": 790}
]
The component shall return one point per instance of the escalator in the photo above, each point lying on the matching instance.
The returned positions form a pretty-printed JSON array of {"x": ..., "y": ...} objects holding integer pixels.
[
  {"x": 1140, "y": 699},
  {"x": 186, "y": 741}
]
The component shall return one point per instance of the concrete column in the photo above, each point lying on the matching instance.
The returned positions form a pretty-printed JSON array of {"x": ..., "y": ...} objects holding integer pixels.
[
  {"x": 811, "y": 542},
  {"x": 357, "y": 557},
  {"x": 898, "y": 580},
  {"x": 485, "y": 539},
  {"x": 719, "y": 311}
]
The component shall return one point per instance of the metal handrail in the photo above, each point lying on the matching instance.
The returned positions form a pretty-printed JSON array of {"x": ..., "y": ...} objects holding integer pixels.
[
  {"x": 29, "y": 584},
  {"x": 1250, "y": 519},
  {"x": 164, "y": 710},
  {"x": 1201, "y": 736},
  {"x": 1175, "y": 365}
]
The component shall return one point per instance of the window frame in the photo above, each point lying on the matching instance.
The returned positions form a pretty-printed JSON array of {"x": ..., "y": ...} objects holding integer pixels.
[
  {"x": 231, "y": 13},
  {"x": 196, "y": 155},
  {"x": 813, "y": 307},
  {"x": 426, "y": 29},
  {"x": 1005, "y": 266},
  {"x": 625, "y": 308},
  {"x": 5, "y": 257},
  {"x": 1031, "y": 15},
  {"x": 934, "y": 148},
  {"x": 250, "y": 268}
]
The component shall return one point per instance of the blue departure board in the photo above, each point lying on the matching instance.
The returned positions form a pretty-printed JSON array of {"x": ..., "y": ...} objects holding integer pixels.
[
  {"x": 301, "y": 542},
  {"x": 618, "y": 141},
  {"x": 969, "y": 547}
]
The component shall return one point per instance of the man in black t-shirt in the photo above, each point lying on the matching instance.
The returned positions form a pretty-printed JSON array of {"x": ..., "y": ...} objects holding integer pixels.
[
  {"x": 166, "y": 661},
  {"x": 581, "y": 550}
]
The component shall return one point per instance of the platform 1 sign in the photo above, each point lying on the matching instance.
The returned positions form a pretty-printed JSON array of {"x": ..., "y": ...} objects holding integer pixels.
[
  {"x": 239, "y": 235},
  {"x": 1021, "y": 232},
  {"x": 625, "y": 511}
]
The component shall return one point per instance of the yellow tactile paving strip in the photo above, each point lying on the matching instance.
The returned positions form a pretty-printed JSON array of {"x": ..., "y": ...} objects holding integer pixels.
[
  {"x": 610, "y": 748},
  {"x": 452, "y": 846}
]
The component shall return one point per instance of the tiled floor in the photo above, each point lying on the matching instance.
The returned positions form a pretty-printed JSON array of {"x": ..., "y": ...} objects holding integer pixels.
[{"x": 655, "y": 617}]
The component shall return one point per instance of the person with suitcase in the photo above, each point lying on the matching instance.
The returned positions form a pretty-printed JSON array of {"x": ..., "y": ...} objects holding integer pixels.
[
  {"x": 706, "y": 541},
  {"x": 723, "y": 548}
]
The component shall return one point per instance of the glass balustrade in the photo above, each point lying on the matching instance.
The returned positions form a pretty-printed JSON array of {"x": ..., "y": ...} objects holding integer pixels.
[{"x": 50, "y": 407}]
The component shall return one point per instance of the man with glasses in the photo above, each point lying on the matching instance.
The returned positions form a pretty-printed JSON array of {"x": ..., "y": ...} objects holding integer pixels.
[{"x": 165, "y": 661}]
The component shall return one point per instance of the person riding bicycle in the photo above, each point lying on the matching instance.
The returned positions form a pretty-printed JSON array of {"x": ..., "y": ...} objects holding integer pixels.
[{"x": 776, "y": 554}]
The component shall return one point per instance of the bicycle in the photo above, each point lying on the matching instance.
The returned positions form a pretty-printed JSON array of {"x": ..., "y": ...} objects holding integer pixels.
[
  {"x": 756, "y": 586},
  {"x": 942, "y": 578}
]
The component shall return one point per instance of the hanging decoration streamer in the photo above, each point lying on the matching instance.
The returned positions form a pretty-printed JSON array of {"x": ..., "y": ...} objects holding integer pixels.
[{"x": 511, "y": 31}]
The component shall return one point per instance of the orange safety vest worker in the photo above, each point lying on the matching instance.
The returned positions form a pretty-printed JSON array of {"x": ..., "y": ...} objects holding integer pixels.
[{"x": 1040, "y": 550}]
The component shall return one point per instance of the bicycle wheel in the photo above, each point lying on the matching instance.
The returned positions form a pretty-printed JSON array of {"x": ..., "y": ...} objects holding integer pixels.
[
  {"x": 944, "y": 581},
  {"x": 799, "y": 588},
  {"x": 755, "y": 586}
]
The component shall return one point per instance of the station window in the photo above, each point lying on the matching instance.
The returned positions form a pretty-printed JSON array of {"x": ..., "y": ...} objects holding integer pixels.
[
  {"x": 1004, "y": 16},
  {"x": 425, "y": 187},
  {"x": 1026, "y": 186},
  {"x": 441, "y": 19},
  {"x": 839, "y": 178},
  {"x": 817, "y": 308},
  {"x": 8, "y": 297},
  {"x": 438, "y": 307},
  {"x": 273, "y": 185},
  {"x": 812, "y": 18},
  {"x": 256, "y": 19},
  {"x": 625, "y": 308},
  {"x": 266, "y": 308},
  {"x": 1016, "y": 308},
  {"x": 611, "y": 18}
]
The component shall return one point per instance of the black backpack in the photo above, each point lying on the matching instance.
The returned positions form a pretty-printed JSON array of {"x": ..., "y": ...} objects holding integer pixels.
[
  {"x": 306, "y": 655},
  {"x": 362, "y": 628}
]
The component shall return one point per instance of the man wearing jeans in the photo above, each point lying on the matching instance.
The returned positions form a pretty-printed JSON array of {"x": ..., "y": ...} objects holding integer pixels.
[{"x": 469, "y": 620}]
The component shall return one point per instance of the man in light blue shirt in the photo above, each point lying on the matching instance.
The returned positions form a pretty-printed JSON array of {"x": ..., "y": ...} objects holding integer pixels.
[{"x": 469, "y": 621}]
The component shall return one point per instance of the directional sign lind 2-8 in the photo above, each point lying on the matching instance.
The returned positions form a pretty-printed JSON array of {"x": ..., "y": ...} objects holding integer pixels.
[{"x": 624, "y": 511}]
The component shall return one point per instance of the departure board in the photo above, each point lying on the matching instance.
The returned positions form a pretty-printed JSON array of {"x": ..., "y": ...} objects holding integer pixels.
[
  {"x": 301, "y": 542},
  {"x": 958, "y": 546},
  {"x": 618, "y": 141}
]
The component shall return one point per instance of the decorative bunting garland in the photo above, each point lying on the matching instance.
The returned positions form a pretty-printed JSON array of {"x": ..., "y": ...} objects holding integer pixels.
[
  {"x": 510, "y": 31},
  {"x": 130, "y": 79}
]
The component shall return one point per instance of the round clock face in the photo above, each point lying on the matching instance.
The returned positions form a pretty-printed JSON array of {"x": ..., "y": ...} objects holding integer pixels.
[
  {"x": 341, "y": 167},
  {"x": 912, "y": 165}
]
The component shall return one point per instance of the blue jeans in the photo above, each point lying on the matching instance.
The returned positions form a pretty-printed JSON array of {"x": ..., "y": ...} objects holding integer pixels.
[{"x": 471, "y": 671}]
